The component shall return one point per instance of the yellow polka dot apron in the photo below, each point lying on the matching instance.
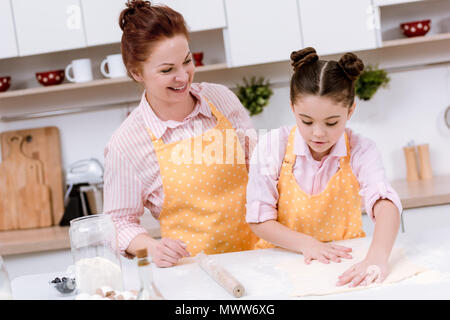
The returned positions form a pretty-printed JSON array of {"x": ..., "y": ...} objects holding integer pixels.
[
  {"x": 333, "y": 214},
  {"x": 204, "y": 182}
]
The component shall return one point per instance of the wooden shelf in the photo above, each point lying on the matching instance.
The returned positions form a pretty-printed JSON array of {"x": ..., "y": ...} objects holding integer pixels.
[
  {"x": 90, "y": 84},
  {"x": 414, "y": 40}
]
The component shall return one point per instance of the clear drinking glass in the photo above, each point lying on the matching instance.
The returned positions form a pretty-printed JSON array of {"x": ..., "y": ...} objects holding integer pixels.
[
  {"x": 5, "y": 284},
  {"x": 95, "y": 253}
]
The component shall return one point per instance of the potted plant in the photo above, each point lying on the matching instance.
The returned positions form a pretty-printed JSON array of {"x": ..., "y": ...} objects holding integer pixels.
[
  {"x": 369, "y": 81},
  {"x": 254, "y": 94}
]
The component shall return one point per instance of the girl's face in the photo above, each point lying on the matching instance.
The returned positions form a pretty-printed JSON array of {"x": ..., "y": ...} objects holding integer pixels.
[
  {"x": 321, "y": 122},
  {"x": 168, "y": 72}
]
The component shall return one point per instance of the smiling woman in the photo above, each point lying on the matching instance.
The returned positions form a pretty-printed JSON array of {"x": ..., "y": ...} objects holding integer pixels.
[{"x": 200, "y": 205}]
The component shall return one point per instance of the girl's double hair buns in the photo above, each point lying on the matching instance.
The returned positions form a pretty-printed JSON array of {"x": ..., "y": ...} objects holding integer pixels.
[
  {"x": 332, "y": 79},
  {"x": 351, "y": 65}
]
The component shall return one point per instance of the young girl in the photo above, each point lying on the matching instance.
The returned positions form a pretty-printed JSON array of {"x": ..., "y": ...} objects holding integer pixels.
[{"x": 307, "y": 193}]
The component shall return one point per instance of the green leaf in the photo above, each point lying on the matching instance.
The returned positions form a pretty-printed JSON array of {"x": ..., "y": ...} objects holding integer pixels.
[{"x": 254, "y": 94}]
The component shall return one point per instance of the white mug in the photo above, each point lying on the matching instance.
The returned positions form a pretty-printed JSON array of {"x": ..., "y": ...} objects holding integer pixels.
[
  {"x": 116, "y": 67},
  {"x": 82, "y": 70}
]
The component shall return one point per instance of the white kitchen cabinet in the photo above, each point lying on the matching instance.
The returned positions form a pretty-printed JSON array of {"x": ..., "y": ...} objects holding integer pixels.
[
  {"x": 261, "y": 31},
  {"x": 332, "y": 26},
  {"x": 8, "y": 45},
  {"x": 200, "y": 15},
  {"x": 47, "y": 25},
  {"x": 101, "y": 21}
]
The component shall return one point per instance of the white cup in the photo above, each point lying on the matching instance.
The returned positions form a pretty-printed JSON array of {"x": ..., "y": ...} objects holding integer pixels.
[
  {"x": 82, "y": 70},
  {"x": 116, "y": 67}
]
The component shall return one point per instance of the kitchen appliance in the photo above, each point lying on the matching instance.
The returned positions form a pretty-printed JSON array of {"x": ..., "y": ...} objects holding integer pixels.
[
  {"x": 96, "y": 257},
  {"x": 84, "y": 195},
  {"x": 85, "y": 171}
]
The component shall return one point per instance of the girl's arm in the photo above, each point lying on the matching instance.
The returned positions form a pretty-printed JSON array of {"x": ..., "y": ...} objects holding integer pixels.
[
  {"x": 374, "y": 267},
  {"x": 311, "y": 248},
  {"x": 279, "y": 235},
  {"x": 387, "y": 222}
]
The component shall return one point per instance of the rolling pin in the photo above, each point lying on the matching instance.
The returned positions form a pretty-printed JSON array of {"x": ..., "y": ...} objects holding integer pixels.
[{"x": 220, "y": 275}]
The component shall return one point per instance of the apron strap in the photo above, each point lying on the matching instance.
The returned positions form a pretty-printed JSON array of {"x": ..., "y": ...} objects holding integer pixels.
[{"x": 289, "y": 157}]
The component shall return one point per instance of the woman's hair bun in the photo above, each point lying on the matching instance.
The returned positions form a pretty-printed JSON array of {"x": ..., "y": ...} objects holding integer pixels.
[
  {"x": 304, "y": 56},
  {"x": 137, "y": 4},
  {"x": 351, "y": 65},
  {"x": 132, "y": 6}
]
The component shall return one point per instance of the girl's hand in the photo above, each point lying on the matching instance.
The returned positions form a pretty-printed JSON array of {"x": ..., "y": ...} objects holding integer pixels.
[
  {"x": 365, "y": 273},
  {"x": 314, "y": 249},
  {"x": 167, "y": 252}
]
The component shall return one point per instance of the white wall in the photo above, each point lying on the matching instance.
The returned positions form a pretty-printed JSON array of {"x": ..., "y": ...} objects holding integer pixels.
[{"x": 410, "y": 109}]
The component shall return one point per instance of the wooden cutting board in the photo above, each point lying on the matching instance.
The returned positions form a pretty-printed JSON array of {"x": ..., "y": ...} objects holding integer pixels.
[
  {"x": 24, "y": 200},
  {"x": 42, "y": 144}
]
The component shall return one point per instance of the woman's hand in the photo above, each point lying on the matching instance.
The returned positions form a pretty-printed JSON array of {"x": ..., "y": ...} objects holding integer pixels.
[
  {"x": 167, "y": 252},
  {"x": 364, "y": 273},
  {"x": 314, "y": 249}
]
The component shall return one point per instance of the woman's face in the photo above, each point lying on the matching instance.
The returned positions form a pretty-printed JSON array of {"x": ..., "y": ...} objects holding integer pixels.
[
  {"x": 168, "y": 72},
  {"x": 321, "y": 122}
]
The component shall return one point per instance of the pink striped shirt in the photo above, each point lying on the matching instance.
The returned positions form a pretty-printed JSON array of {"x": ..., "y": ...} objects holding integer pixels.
[
  {"x": 312, "y": 176},
  {"x": 132, "y": 177}
]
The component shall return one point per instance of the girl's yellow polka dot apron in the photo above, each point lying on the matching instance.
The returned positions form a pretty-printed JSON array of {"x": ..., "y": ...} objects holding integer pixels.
[
  {"x": 204, "y": 182},
  {"x": 334, "y": 214}
]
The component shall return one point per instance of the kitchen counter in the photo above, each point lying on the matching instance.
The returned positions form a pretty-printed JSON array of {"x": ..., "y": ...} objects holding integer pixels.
[
  {"x": 422, "y": 193},
  {"x": 413, "y": 194},
  {"x": 42, "y": 239},
  {"x": 257, "y": 271}
]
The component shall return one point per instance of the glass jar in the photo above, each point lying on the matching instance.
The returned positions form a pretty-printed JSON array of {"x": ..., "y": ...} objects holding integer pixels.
[
  {"x": 95, "y": 253},
  {"x": 5, "y": 284}
]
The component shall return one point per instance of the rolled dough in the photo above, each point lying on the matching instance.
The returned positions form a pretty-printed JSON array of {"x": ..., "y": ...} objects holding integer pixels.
[{"x": 320, "y": 279}]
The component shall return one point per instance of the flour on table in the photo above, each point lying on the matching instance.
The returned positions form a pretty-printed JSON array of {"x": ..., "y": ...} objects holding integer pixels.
[{"x": 320, "y": 279}]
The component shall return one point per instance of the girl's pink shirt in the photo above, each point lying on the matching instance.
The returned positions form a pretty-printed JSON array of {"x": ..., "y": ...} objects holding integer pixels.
[{"x": 312, "y": 176}]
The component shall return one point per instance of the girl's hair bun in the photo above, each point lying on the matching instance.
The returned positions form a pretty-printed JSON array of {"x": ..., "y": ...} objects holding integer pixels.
[
  {"x": 132, "y": 6},
  {"x": 351, "y": 65},
  {"x": 304, "y": 56}
]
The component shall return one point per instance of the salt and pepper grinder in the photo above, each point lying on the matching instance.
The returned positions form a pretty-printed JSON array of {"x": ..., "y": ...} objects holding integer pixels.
[
  {"x": 147, "y": 291},
  {"x": 412, "y": 171},
  {"x": 424, "y": 161}
]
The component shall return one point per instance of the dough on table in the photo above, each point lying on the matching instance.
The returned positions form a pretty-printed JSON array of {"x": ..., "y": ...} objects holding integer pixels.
[{"x": 320, "y": 279}]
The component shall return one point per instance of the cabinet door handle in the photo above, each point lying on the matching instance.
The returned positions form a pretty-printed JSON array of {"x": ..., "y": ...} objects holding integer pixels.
[{"x": 73, "y": 21}]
